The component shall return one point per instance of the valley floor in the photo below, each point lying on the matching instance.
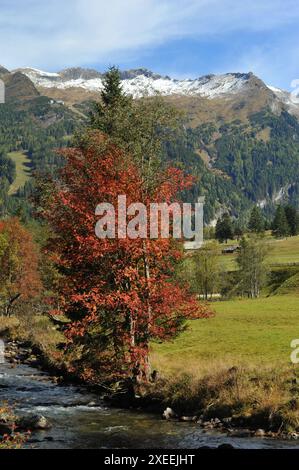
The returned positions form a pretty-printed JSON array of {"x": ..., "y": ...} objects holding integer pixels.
[{"x": 243, "y": 332}]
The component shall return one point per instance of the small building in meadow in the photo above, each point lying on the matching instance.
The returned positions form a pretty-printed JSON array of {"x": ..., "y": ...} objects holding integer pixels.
[{"x": 228, "y": 250}]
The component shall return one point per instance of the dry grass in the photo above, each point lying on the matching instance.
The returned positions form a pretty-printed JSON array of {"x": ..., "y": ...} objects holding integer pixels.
[
  {"x": 8, "y": 325},
  {"x": 38, "y": 330},
  {"x": 252, "y": 398}
]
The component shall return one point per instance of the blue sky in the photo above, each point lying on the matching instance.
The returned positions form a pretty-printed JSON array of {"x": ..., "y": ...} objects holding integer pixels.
[{"x": 181, "y": 38}]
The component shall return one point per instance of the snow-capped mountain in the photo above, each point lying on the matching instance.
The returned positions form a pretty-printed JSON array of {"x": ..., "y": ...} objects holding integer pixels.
[
  {"x": 290, "y": 99},
  {"x": 142, "y": 82}
]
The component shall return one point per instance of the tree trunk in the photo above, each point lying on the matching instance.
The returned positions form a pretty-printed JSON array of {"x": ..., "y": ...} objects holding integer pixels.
[
  {"x": 10, "y": 303},
  {"x": 147, "y": 365}
]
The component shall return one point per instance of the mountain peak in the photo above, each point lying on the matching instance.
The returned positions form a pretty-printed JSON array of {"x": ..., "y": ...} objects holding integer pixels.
[
  {"x": 143, "y": 82},
  {"x": 133, "y": 73},
  {"x": 77, "y": 73}
]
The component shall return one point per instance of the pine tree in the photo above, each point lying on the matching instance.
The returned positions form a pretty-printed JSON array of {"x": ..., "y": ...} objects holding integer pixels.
[
  {"x": 113, "y": 104},
  {"x": 238, "y": 231},
  {"x": 256, "y": 222},
  {"x": 224, "y": 229},
  {"x": 112, "y": 92},
  {"x": 280, "y": 226},
  {"x": 293, "y": 219},
  {"x": 140, "y": 127}
]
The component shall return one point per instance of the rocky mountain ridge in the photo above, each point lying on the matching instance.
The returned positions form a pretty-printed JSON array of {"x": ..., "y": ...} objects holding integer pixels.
[{"x": 142, "y": 82}]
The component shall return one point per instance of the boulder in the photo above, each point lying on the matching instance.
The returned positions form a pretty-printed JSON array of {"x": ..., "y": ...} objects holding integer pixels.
[
  {"x": 260, "y": 433},
  {"x": 33, "y": 423},
  {"x": 189, "y": 418},
  {"x": 169, "y": 414}
]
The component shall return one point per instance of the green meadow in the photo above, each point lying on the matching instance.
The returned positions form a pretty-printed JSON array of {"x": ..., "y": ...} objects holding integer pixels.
[
  {"x": 23, "y": 172},
  {"x": 243, "y": 331}
]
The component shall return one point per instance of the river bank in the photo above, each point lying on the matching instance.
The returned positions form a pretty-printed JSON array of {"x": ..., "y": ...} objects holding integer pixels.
[
  {"x": 23, "y": 363},
  {"x": 78, "y": 418}
]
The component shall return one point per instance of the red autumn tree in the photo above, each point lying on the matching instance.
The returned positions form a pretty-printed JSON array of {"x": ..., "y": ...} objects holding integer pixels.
[
  {"x": 19, "y": 275},
  {"x": 119, "y": 293}
]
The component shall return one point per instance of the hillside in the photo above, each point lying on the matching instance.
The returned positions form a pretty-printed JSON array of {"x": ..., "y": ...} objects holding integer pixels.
[
  {"x": 32, "y": 127},
  {"x": 241, "y": 137}
]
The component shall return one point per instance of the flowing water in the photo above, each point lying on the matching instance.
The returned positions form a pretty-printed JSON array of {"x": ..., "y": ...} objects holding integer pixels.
[{"x": 80, "y": 420}]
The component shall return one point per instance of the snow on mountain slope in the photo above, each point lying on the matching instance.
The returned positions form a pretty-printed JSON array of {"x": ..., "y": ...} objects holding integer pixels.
[
  {"x": 143, "y": 83},
  {"x": 291, "y": 100}
]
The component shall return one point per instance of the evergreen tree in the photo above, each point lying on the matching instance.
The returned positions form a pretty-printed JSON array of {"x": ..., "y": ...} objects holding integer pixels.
[
  {"x": 224, "y": 229},
  {"x": 140, "y": 128},
  {"x": 113, "y": 104},
  {"x": 280, "y": 226},
  {"x": 238, "y": 231},
  {"x": 256, "y": 222},
  {"x": 112, "y": 92},
  {"x": 293, "y": 219}
]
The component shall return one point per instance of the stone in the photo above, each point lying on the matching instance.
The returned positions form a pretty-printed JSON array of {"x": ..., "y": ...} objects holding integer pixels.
[
  {"x": 33, "y": 422},
  {"x": 169, "y": 414},
  {"x": 188, "y": 418},
  {"x": 216, "y": 421},
  {"x": 227, "y": 420},
  {"x": 259, "y": 433}
]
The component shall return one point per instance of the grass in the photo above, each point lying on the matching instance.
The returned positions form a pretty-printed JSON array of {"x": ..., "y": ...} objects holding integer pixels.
[
  {"x": 37, "y": 329},
  {"x": 22, "y": 162},
  {"x": 236, "y": 365},
  {"x": 281, "y": 251},
  {"x": 243, "y": 332},
  {"x": 284, "y": 251}
]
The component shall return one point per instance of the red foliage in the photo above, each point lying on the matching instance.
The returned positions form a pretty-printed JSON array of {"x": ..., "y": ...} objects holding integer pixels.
[
  {"x": 119, "y": 293},
  {"x": 19, "y": 274}
]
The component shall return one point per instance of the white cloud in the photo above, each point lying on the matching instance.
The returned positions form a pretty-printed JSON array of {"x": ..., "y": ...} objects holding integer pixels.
[{"x": 60, "y": 33}]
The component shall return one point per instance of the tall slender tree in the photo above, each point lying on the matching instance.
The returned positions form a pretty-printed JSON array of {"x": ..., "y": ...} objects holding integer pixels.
[
  {"x": 293, "y": 219},
  {"x": 252, "y": 266},
  {"x": 256, "y": 221},
  {"x": 280, "y": 226},
  {"x": 224, "y": 229}
]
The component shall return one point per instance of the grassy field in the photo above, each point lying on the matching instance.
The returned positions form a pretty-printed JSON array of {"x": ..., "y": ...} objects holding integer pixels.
[
  {"x": 248, "y": 332},
  {"x": 243, "y": 332},
  {"x": 281, "y": 251},
  {"x": 22, "y": 162}
]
